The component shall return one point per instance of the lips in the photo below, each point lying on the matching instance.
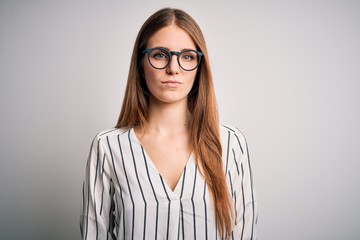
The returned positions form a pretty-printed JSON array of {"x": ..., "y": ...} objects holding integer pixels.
[{"x": 171, "y": 83}]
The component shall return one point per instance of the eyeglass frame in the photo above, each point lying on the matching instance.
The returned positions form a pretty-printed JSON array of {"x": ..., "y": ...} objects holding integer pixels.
[{"x": 171, "y": 53}]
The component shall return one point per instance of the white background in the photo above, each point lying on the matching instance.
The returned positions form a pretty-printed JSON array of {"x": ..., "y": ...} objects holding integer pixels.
[{"x": 286, "y": 73}]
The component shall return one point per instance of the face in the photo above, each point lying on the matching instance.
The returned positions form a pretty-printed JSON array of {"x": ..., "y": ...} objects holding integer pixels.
[{"x": 171, "y": 84}]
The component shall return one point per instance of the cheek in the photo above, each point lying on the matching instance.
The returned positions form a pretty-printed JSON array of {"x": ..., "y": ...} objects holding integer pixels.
[
  {"x": 149, "y": 72},
  {"x": 150, "y": 77}
]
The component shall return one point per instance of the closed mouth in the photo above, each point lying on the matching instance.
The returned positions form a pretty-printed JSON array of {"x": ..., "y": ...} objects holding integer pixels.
[{"x": 171, "y": 82}]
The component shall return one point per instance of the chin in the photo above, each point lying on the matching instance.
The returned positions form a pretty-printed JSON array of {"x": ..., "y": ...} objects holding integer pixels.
[{"x": 171, "y": 99}]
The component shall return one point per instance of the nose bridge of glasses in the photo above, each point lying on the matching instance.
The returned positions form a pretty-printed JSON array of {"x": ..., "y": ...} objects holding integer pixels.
[{"x": 174, "y": 53}]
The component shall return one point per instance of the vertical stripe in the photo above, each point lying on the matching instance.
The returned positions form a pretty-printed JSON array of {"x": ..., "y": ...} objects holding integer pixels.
[
  {"x": 131, "y": 197},
  {"x": 252, "y": 190},
  {"x": 243, "y": 196},
  {"x": 115, "y": 200},
  {"x": 97, "y": 164},
  {"x": 168, "y": 217},
  {"x": 137, "y": 178},
  {"x": 111, "y": 186},
  {"x": 87, "y": 212},
  {"x": 153, "y": 190},
  {"x": 123, "y": 210},
  {"x": 111, "y": 215},
  {"x": 231, "y": 185},
  {"x": 235, "y": 203},
  {"x": 83, "y": 204},
  {"x": 236, "y": 163},
  {"x": 192, "y": 201},
  {"x": 103, "y": 186},
  {"x": 96, "y": 176},
  {"x": 181, "y": 205},
  {"x": 227, "y": 153},
  {"x": 232, "y": 195},
  {"x": 205, "y": 211}
]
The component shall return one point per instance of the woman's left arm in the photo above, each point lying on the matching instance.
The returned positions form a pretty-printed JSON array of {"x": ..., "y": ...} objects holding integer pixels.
[{"x": 243, "y": 191}]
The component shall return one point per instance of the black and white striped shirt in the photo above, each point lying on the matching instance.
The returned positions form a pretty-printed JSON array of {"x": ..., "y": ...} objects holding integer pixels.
[{"x": 125, "y": 197}]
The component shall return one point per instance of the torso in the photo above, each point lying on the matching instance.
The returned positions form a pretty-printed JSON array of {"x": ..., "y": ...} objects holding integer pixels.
[{"x": 126, "y": 184}]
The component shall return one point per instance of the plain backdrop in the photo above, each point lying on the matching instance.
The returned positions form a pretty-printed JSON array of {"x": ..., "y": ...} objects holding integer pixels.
[{"x": 287, "y": 73}]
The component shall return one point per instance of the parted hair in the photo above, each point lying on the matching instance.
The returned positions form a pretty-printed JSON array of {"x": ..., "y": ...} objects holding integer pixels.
[{"x": 204, "y": 122}]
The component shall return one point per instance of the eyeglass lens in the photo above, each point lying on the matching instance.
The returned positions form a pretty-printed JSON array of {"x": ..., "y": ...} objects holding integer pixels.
[{"x": 160, "y": 58}]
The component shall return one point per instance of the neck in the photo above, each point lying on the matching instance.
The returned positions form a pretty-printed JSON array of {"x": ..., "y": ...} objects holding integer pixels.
[{"x": 167, "y": 118}]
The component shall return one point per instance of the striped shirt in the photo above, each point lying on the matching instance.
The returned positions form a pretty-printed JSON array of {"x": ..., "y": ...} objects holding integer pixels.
[{"x": 125, "y": 197}]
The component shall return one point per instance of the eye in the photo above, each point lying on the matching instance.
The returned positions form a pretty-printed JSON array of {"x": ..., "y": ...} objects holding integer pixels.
[
  {"x": 188, "y": 56},
  {"x": 159, "y": 54}
]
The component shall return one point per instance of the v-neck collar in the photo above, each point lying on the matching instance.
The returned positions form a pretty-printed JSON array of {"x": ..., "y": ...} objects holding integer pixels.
[{"x": 176, "y": 193}]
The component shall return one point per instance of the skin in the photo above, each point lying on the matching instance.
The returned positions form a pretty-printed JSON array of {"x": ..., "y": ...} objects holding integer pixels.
[
  {"x": 172, "y": 84},
  {"x": 167, "y": 141}
]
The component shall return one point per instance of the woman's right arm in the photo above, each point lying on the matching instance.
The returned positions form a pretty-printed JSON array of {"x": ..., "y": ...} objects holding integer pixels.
[{"x": 96, "y": 217}]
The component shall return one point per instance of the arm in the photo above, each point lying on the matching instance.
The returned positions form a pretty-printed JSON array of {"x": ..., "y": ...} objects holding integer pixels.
[
  {"x": 96, "y": 218},
  {"x": 245, "y": 198}
]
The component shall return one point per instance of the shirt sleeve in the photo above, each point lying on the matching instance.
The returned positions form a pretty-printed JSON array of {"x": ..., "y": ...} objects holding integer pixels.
[
  {"x": 96, "y": 216},
  {"x": 244, "y": 192}
]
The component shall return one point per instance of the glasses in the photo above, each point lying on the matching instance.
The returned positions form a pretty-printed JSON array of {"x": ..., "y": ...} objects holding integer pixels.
[{"x": 160, "y": 58}]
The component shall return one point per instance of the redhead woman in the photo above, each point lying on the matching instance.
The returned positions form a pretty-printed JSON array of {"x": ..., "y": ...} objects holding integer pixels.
[{"x": 168, "y": 170}]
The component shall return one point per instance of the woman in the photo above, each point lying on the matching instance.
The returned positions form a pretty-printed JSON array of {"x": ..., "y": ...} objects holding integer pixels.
[{"x": 168, "y": 170}]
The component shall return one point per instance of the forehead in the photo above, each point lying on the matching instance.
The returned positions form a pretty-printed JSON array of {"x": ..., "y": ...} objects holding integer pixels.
[{"x": 171, "y": 37}]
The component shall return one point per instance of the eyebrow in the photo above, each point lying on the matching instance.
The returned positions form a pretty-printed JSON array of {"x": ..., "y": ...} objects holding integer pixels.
[{"x": 168, "y": 49}]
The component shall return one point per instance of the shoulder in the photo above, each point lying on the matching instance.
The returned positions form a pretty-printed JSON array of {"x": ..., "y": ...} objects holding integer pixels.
[
  {"x": 233, "y": 131},
  {"x": 110, "y": 133},
  {"x": 107, "y": 138},
  {"x": 233, "y": 137}
]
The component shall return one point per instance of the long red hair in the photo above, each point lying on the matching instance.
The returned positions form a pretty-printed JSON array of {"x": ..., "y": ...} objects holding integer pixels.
[{"x": 204, "y": 123}]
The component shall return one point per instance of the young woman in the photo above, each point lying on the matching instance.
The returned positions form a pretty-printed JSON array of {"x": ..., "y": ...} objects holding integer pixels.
[{"x": 168, "y": 170}]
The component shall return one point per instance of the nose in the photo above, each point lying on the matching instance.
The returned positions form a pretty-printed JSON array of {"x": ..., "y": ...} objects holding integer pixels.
[{"x": 173, "y": 67}]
